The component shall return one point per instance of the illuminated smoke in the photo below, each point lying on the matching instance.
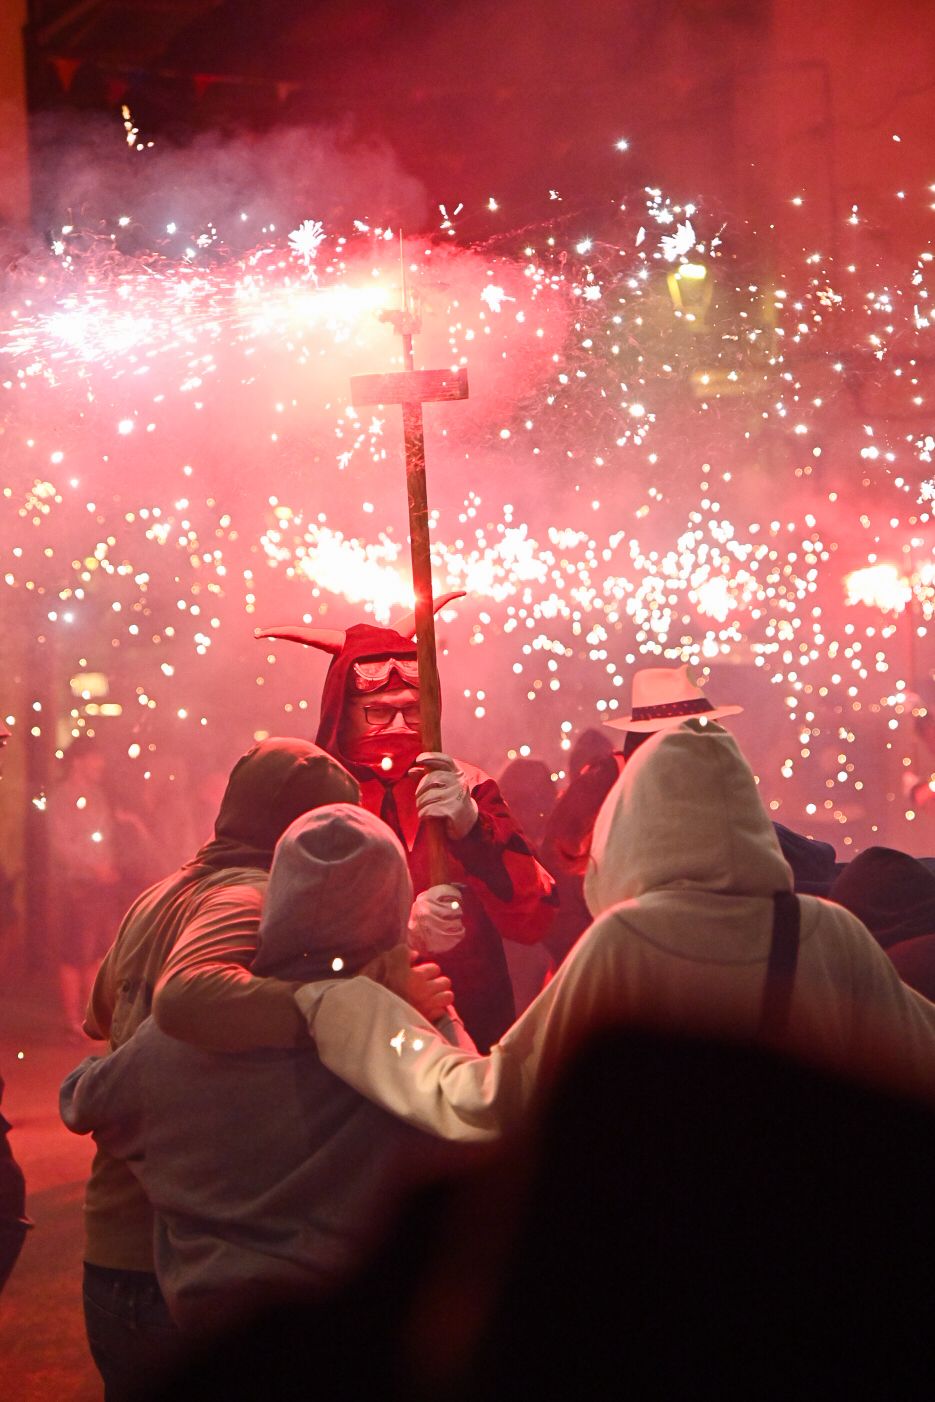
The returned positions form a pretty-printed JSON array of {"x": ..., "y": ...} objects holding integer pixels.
[{"x": 660, "y": 461}]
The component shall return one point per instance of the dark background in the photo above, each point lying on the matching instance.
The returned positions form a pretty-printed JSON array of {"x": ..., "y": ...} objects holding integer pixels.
[{"x": 752, "y": 102}]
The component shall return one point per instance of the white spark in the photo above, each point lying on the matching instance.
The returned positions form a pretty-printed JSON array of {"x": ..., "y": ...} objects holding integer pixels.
[
  {"x": 306, "y": 240},
  {"x": 675, "y": 245},
  {"x": 495, "y": 297}
]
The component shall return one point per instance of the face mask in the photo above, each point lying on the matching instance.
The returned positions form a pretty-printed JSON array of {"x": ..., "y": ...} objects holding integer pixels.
[
  {"x": 381, "y": 730},
  {"x": 390, "y": 753}
]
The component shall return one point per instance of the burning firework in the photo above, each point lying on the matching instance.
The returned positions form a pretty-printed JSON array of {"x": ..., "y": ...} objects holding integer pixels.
[{"x": 665, "y": 458}]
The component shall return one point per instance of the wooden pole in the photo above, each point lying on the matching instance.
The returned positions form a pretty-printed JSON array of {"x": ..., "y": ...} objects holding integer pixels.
[
  {"x": 410, "y": 389},
  {"x": 421, "y": 554},
  {"x": 420, "y": 549}
]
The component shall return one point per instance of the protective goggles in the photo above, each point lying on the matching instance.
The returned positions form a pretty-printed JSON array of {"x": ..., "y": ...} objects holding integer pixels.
[{"x": 371, "y": 675}]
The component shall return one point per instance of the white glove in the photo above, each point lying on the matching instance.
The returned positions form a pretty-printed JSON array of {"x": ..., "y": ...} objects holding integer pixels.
[
  {"x": 436, "y": 921},
  {"x": 444, "y": 793}
]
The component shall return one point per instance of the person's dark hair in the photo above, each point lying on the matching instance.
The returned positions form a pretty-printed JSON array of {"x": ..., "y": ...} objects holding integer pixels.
[
  {"x": 567, "y": 839},
  {"x": 589, "y": 747},
  {"x": 634, "y": 739}
]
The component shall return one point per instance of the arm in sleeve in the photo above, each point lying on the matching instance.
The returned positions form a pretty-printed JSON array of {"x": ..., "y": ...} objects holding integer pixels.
[
  {"x": 388, "y": 1053},
  {"x": 379, "y": 1045},
  {"x": 103, "y": 1097},
  {"x": 207, "y": 996},
  {"x": 517, "y": 893},
  {"x": 383, "y": 1048},
  {"x": 454, "y": 1031}
]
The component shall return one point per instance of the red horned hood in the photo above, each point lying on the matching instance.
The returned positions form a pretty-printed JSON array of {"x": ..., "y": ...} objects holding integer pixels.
[{"x": 347, "y": 647}]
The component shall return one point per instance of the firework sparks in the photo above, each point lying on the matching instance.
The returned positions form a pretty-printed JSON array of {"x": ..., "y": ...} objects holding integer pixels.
[
  {"x": 306, "y": 240},
  {"x": 187, "y": 462},
  {"x": 880, "y": 587}
]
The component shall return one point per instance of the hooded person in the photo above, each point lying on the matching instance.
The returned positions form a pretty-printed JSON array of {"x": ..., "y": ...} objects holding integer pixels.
[
  {"x": 371, "y": 722},
  {"x": 291, "y": 1173},
  {"x": 894, "y": 895},
  {"x": 891, "y": 892},
  {"x": 663, "y": 699},
  {"x": 182, "y": 952},
  {"x": 692, "y": 906}
]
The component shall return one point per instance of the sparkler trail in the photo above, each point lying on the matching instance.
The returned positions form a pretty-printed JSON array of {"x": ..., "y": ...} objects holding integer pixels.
[{"x": 666, "y": 456}]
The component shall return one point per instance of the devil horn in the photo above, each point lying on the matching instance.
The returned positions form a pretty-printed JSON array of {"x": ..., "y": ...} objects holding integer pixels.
[
  {"x": 327, "y": 639},
  {"x": 406, "y": 626}
]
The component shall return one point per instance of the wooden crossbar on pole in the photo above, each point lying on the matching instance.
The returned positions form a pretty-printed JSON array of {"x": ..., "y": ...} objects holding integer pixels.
[{"x": 411, "y": 389}]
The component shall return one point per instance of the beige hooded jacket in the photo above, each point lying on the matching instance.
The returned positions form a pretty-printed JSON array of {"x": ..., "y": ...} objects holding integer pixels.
[{"x": 684, "y": 865}]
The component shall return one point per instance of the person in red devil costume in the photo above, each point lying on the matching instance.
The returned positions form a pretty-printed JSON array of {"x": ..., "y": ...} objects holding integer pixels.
[{"x": 371, "y": 722}]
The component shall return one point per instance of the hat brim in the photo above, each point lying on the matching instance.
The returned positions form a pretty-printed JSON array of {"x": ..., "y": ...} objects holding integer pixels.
[{"x": 646, "y": 727}]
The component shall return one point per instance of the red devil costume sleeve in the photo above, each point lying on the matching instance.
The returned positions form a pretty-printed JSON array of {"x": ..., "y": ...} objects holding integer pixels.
[{"x": 507, "y": 894}]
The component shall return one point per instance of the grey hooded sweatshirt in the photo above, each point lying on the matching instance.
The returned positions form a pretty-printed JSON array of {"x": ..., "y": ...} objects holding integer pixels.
[
  {"x": 684, "y": 865},
  {"x": 182, "y": 953},
  {"x": 266, "y": 1172}
]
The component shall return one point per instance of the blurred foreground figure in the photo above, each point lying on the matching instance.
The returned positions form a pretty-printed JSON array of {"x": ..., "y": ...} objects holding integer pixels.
[
  {"x": 695, "y": 931},
  {"x": 268, "y": 1175},
  {"x": 687, "y": 1219},
  {"x": 14, "y": 1223},
  {"x": 371, "y": 722}
]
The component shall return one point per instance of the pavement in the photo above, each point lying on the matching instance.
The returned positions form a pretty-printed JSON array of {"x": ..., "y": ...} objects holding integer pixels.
[{"x": 43, "y": 1353}]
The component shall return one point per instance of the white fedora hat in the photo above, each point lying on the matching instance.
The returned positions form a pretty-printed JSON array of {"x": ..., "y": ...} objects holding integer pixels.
[{"x": 664, "y": 697}]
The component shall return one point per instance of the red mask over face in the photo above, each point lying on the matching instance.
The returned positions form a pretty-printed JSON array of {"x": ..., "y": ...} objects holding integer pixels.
[{"x": 381, "y": 724}]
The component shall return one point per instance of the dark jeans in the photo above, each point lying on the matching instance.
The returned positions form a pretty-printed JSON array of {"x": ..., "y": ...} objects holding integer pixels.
[{"x": 133, "y": 1339}]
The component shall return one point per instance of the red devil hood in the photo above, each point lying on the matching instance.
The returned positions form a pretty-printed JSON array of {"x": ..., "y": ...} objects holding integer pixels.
[
  {"x": 363, "y": 640},
  {"x": 347, "y": 647}
]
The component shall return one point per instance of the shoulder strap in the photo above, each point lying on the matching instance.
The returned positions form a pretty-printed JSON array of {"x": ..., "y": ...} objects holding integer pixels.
[{"x": 780, "y": 970}]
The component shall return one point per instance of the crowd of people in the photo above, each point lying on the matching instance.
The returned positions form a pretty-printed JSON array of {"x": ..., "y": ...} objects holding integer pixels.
[
  {"x": 346, "y": 1094},
  {"x": 111, "y": 827}
]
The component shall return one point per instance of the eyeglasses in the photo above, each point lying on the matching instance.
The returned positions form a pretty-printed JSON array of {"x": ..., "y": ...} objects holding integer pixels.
[{"x": 385, "y": 715}]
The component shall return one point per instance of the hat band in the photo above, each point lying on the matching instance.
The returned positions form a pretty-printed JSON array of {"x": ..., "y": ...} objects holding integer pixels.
[{"x": 672, "y": 708}]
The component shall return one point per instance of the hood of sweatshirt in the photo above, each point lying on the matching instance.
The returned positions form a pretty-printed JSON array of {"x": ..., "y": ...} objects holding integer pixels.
[
  {"x": 363, "y": 640},
  {"x": 339, "y": 893},
  {"x": 684, "y": 816},
  {"x": 269, "y": 787}
]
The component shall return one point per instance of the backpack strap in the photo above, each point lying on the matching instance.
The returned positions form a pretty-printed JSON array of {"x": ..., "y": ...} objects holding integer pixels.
[{"x": 780, "y": 970}]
